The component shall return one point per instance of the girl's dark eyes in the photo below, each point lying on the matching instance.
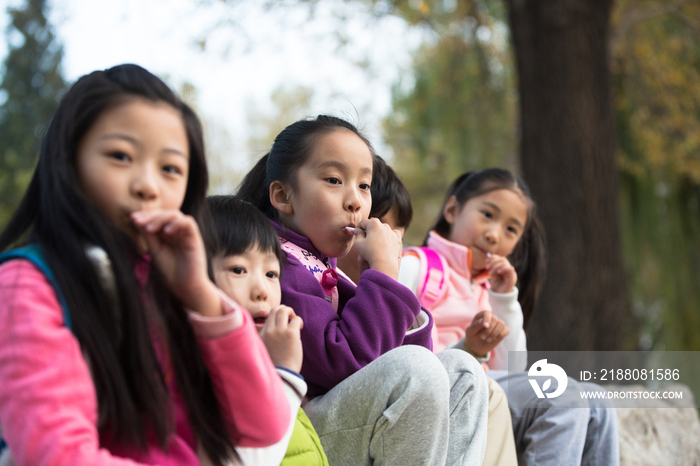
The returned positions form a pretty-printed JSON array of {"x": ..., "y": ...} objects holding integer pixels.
[
  {"x": 333, "y": 180},
  {"x": 487, "y": 214},
  {"x": 172, "y": 169},
  {"x": 365, "y": 187},
  {"x": 237, "y": 270},
  {"x": 118, "y": 155},
  {"x": 513, "y": 230},
  {"x": 272, "y": 274}
]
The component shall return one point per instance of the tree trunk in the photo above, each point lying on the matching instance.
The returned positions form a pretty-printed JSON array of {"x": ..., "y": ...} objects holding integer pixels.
[{"x": 567, "y": 154}]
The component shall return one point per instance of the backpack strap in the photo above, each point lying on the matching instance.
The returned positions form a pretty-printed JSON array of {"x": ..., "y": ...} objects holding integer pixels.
[
  {"x": 33, "y": 254},
  {"x": 432, "y": 281},
  {"x": 327, "y": 277}
]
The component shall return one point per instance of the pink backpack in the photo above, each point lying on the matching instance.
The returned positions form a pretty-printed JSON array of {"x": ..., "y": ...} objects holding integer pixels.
[{"x": 433, "y": 277}]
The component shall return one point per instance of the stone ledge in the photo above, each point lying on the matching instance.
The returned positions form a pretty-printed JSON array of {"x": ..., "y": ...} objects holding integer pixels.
[{"x": 666, "y": 434}]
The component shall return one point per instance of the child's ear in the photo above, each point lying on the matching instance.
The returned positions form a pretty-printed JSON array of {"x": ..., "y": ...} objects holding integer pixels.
[
  {"x": 451, "y": 210},
  {"x": 280, "y": 198}
]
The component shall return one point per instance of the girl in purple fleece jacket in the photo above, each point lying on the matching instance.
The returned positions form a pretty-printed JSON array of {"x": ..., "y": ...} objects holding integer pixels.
[{"x": 379, "y": 394}]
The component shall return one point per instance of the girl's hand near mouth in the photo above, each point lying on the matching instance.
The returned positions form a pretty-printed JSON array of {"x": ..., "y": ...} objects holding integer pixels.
[{"x": 281, "y": 335}]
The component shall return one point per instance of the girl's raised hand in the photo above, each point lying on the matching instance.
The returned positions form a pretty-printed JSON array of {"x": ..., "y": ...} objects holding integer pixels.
[
  {"x": 176, "y": 248},
  {"x": 379, "y": 247},
  {"x": 282, "y": 338},
  {"x": 484, "y": 333},
  {"x": 503, "y": 275}
]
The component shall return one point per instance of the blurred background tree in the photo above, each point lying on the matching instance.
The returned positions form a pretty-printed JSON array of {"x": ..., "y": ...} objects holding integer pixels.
[
  {"x": 656, "y": 82},
  {"x": 567, "y": 156},
  {"x": 456, "y": 112},
  {"x": 31, "y": 86}
]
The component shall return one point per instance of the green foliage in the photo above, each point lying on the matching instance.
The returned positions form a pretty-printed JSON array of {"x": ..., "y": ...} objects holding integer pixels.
[
  {"x": 458, "y": 113},
  {"x": 30, "y": 87},
  {"x": 443, "y": 16},
  {"x": 656, "y": 70},
  {"x": 661, "y": 225},
  {"x": 656, "y": 65}
]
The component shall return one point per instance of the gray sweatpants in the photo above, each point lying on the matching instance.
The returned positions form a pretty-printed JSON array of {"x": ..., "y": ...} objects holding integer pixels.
[
  {"x": 548, "y": 434},
  {"x": 408, "y": 407}
]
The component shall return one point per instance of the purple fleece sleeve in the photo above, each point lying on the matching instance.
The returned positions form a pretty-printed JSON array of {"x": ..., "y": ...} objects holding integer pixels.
[{"x": 372, "y": 319}]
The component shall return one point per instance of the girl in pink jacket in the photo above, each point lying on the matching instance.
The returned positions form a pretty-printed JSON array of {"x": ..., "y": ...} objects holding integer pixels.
[
  {"x": 486, "y": 239},
  {"x": 463, "y": 275},
  {"x": 124, "y": 351}
]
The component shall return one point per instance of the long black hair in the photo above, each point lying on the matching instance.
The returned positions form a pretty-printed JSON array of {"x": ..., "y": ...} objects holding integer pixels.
[
  {"x": 529, "y": 256},
  {"x": 55, "y": 214},
  {"x": 290, "y": 150}
]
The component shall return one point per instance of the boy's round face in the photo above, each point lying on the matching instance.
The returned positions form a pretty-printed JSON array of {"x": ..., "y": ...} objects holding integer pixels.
[
  {"x": 332, "y": 192},
  {"x": 135, "y": 157},
  {"x": 252, "y": 279}
]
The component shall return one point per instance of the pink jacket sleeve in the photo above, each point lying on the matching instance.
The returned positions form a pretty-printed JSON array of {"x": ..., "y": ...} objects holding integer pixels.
[
  {"x": 48, "y": 406},
  {"x": 246, "y": 383}
]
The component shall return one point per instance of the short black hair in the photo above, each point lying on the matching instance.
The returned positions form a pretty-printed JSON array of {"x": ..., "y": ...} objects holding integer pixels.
[
  {"x": 235, "y": 226},
  {"x": 388, "y": 191}
]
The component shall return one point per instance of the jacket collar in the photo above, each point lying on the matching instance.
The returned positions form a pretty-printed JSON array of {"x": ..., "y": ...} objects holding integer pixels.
[
  {"x": 458, "y": 257},
  {"x": 303, "y": 242}
]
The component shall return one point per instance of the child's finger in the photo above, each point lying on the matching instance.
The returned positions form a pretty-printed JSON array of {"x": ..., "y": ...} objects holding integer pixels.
[
  {"x": 143, "y": 217},
  {"x": 494, "y": 263},
  {"x": 265, "y": 328},
  {"x": 375, "y": 227},
  {"x": 495, "y": 331},
  {"x": 501, "y": 267},
  {"x": 480, "y": 325},
  {"x": 497, "y": 338},
  {"x": 178, "y": 226},
  {"x": 296, "y": 323},
  {"x": 369, "y": 224},
  {"x": 283, "y": 314},
  {"x": 277, "y": 317},
  {"x": 486, "y": 333},
  {"x": 288, "y": 312},
  {"x": 486, "y": 319},
  {"x": 154, "y": 221},
  {"x": 495, "y": 328},
  {"x": 360, "y": 233},
  {"x": 474, "y": 327},
  {"x": 505, "y": 332}
]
